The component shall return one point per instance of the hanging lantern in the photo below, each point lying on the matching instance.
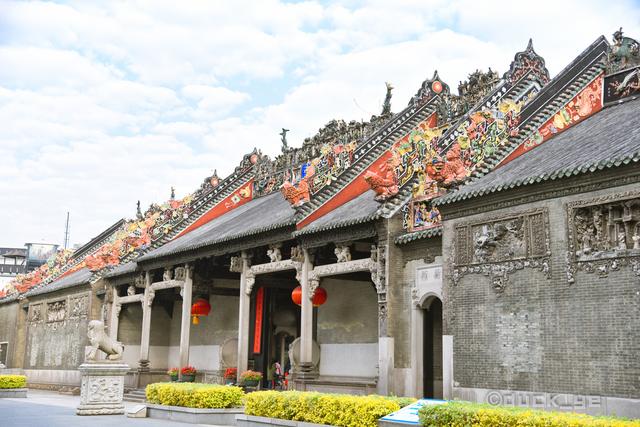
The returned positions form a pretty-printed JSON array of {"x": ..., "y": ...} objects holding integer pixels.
[
  {"x": 200, "y": 308},
  {"x": 296, "y": 295},
  {"x": 319, "y": 298}
]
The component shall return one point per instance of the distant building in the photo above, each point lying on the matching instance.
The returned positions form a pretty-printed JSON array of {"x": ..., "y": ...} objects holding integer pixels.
[
  {"x": 12, "y": 263},
  {"x": 38, "y": 254}
]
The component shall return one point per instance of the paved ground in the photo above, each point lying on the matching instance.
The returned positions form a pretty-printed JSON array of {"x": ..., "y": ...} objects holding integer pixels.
[{"x": 48, "y": 409}]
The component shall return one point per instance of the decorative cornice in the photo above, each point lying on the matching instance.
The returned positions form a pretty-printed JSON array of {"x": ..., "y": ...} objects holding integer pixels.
[{"x": 541, "y": 191}]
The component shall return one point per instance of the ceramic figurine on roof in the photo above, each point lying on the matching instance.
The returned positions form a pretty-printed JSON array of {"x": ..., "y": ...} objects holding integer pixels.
[
  {"x": 297, "y": 196},
  {"x": 625, "y": 53},
  {"x": 474, "y": 89},
  {"x": 384, "y": 182}
]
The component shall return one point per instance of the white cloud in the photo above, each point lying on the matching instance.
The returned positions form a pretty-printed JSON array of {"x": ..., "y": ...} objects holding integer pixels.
[{"x": 104, "y": 103}]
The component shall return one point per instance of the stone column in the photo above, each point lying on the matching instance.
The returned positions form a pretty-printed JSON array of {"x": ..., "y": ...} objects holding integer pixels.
[
  {"x": 447, "y": 367},
  {"x": 115, "y": 314},
  {"x": 147, "y": 304},
  {"x": 306, "y": 320},
  {"x": 185, "y": 326},
  {"x": 243, "y": 315}
]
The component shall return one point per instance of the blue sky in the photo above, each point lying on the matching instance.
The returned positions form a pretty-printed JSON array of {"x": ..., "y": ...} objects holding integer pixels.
[{"x": 105, "y": 103}]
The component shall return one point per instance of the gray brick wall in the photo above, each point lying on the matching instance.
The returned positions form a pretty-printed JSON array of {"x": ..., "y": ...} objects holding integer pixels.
[{"x": 544, "y": 334}]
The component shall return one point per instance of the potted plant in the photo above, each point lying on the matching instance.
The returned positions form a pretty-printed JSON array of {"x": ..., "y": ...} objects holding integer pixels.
[
  {"x": 250, "y": 378},
  {"x": 188, "y": 374},
  {"x": 173, "y": 374},
  {"x": 230, "y": 375}
]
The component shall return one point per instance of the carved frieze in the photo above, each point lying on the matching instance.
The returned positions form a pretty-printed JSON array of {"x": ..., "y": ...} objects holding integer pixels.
[
  {"x": 603, "y": 234},
  {"x": 78, "y": 306},
  {"x": 56, "y": 311},
  {"x": 500, "y": 247}
]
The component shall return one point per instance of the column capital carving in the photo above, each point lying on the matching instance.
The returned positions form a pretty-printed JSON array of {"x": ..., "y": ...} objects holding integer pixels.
[{"x": 250, "y": 280}]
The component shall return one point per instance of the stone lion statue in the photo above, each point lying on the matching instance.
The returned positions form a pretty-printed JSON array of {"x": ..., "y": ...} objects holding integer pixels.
[{"x": 99, "y": 340}]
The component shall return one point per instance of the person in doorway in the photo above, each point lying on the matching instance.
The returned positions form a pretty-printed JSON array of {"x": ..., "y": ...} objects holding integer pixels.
[{"x": 277, "y": 375}]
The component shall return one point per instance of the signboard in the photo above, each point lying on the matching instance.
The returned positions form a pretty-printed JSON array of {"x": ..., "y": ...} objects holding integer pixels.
[
  {"x": 623, "y": 84},
  {"x": 409, "y": 414},
  {"x": 429, "y": 276},
  {"x": 40, "y": 252}
]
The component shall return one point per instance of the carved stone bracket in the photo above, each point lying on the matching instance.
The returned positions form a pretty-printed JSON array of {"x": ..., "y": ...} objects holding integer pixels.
[
  {"x": 320, "y": 271},
  {"x": 270, "y": 267},
  {"x": 130, "y": 299},
  {"x": 603, "y": 234},
  {"x": 139, "y": 281},
  {"x": 503, "y": 246}
]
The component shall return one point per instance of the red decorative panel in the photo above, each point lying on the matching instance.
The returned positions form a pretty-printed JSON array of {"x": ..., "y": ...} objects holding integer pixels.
[
  {"x": 257, "y": 334},
  {"x": 238, "y": 198},
  {"x": 583, "y": 105}
]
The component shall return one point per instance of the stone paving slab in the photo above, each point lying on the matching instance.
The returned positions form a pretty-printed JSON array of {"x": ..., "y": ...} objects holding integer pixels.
[{"x": 48, "y": 409}]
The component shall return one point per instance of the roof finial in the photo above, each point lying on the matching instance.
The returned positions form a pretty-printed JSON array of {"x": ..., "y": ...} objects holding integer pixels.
[
  {"x": 283, "y": 139},
  {"x": 386, "y": 107},
  {"x": 173, "y": 193},
  {"x": 138, "y": 211}
]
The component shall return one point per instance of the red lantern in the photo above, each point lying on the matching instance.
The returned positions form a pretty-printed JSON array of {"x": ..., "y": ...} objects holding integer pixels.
[
  {"x": 319, "y": 298},
  {"x": 200, "y": 308},
  {"x": 296, "y": 295}
]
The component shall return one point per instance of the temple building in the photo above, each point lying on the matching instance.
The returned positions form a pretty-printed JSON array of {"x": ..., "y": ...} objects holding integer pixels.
[{"x": 483, "y": 245}]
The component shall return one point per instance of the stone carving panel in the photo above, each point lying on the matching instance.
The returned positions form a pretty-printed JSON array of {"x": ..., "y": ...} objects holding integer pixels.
[
  {"x": 500, "y": 247},
  {"x": 35, "y": 313},
  {"x": 604, "y": 234},
  {"x": 78, "y": 306},
  {"x": 56, "y": 311}
]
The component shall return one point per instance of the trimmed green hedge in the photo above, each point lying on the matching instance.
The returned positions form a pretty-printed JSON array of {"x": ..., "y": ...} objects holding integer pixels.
[
  {"x": 195, "y": 395},
  {"x": 13, "y": 381},
  {"x": 484, "y": 415},
  {"x": 322, "y": 408}
]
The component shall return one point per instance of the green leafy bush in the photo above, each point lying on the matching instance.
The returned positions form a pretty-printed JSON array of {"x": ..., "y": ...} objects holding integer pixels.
[
  {"x": 13, "y": 381},
  {"x": 321, "y": 408},
  {"x": 194, "y": 395},
  {"x": 484, "y": 415}
]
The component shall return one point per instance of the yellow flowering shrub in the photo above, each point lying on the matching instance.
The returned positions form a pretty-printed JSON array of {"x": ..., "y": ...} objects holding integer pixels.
[
  {"x": 322, "y": 408},
  {"x": 13, "y": 381},
  {"x": 195, "y": 395},
  {"x": 484, "y": 415}
]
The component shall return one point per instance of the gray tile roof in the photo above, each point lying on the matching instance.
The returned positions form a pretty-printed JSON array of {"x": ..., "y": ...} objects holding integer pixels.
[
  {"x": 258, "y": 215},
  {"x": 76, "y": 278},
  {"x": 422, "y": 234},
  {"x": 9, "y": 298},
  {"x": 122, "y": 269},
  {"x": 363, "y": 208},
  {"x": 606, "y": 140}
]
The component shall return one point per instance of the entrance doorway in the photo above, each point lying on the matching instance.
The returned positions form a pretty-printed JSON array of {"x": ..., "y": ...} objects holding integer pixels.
[
  {"x": 275, "y": 324},
  {"x": 432, "y": 348}
]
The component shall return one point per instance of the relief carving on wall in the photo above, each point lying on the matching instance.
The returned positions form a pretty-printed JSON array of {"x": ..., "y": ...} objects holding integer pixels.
[
  {"x": 56, "y": 311},
  {"x": 35, "y": 313},
  {"x": 604, "y": 234},
  {"x": 78, "y": 306},
  {"x": 500, "y": 247}
]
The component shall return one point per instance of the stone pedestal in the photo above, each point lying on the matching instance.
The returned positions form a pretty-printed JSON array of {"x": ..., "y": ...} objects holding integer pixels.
[{"x": 102, "y": 388}]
